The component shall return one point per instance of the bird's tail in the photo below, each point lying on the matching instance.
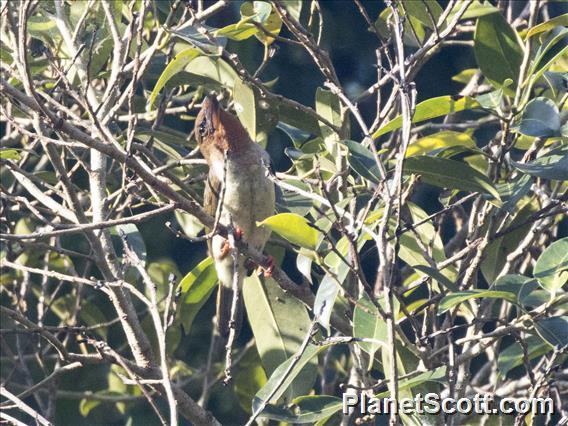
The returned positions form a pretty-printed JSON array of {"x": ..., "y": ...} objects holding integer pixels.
[{"x": 225, "y": 297}]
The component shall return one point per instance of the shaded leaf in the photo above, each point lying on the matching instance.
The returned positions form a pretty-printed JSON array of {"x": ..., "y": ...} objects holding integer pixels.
[
  {"x": 368, "y": 323},
  {"x": 196, "y": 287},
  {"x": 279, "y": 323},
  {"x": 540, "y": 118},
  {"x": 551, "y": 268},
  {"x": 362, "y": 161},
  {"x": 512, "y": 356},
  {"x": 554, "y": 330},
  {"x": 553, "y": 165},
  {"x": 305, "y": 409},
  {"x": 497, "y": 50},
  {"x": 450, "y": 174}
]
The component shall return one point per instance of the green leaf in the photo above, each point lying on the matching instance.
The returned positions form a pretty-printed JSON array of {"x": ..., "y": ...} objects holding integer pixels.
[
  {"x": 558, "y": 21},
  {"x": 249, "y": 378},
  {"x": 437, "y": 275},
  {"x": 86, "y": 405},
  {"x": 329, "y": 107},
  {"x": 439, "y": 140},
  {"x": 540, "y": 118},
  {"x": 499, "y": 249},
  {"x": 431, "y": 108},
  {"x": 362, "y": 161},
  {"x": 305, "y": 409},
  {"x": 10, "y": 154},
  {"x": 437, "y": 375},
  {"x": 325, "y": 299},
  {"x": 196, "y": 287},
  {"x": 367, "y": 323},
  {"x": 279, "y": 323},
  {"x": 498, "y": 50},
  {"x": 238, "y": 32},
  {"x": 475, "y": 10},
  {"x": 554, "y": 330},
  {"x": 245, "y": 107},
  {"x": 553, "y": 165},
  {"x": 133, "y": 238},
  {"x": 551, "y": 268},
  {"x": 213, "y": 69},
  {"x": 454, "y": 299},
  {"x": 512, "y": 356},
  {"x": 292, "y": 202},
  {"x": 465, "y": 76},
  {"x": 279, "y": 381},
  {"x": 263, "y": 13},
  {"x": 522, "y": 287},
  {"x": 446, "y": 173},
  {"x": 293, "y": 228},
  {"x": 175, "y": 66},
  {"x": 424, "y": 11}
]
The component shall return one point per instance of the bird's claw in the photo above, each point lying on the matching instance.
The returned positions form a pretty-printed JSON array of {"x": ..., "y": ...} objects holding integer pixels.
[
  {"x": 225, "y": 249},
  {"x": 267, "y": 271}
]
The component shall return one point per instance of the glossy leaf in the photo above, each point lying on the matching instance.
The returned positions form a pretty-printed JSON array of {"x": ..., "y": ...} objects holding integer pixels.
[
  {"x": 558, "y": 21},
  {"x": 293, "y": 228},
  {"x": 439, "y": 140},
  {"x": 553, "y": 165},
  {"x": 10, "y": 154},
  {"x": 305, "y": 409},
  {"x": 362, "y": 161},
  {"x": 449, "y": 174},
  {"x": 175, "y": 66},
  {"x": 279, "y": 323},
  {"x": 554, "y": 330},
  {"x": 454, "y": 299},
  {"x": 431, "y": 108},
  {"x": 245, "y": 107},
  {"x": 280, "y": 381},
  {"x": 325, "y": 299},
  {"x": 513, "y": 355},
  {"x": 497, "y": 50},
  {"x": 551, "y": 268},
  {"x": 540, "y": 118},
  {"x": 329, "y": 107},
  {"x": 498, "y": 250},
  {"x": 425, "y": 11},
  {"x": 368, "y": 323},
  {"x": 522, "y": 287},
  {"x": 263, "y": 13},
  {"x": 239, "y": 31},
  {"x": 196, "y": 287}
]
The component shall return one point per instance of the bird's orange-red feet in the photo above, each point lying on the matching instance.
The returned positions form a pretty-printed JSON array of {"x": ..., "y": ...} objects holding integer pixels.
[
  {"x": 225, "y": 249},
  {"x": 238, "y": 233},
  {"x": 267, "y": 271}
]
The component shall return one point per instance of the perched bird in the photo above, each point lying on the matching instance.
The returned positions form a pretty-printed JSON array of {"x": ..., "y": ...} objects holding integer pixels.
[{"x": 248, "y": 196}]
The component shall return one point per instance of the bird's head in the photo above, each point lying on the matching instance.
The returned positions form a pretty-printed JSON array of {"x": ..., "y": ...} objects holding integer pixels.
[{"x": 217, "y": 130}]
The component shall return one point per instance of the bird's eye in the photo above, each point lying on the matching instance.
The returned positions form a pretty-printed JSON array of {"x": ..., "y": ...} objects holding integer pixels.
[{"x": 202, "y": 128}]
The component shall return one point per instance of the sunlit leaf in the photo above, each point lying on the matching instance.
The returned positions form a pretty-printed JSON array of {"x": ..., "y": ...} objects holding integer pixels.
[
  {"x": 454, "y": 299},
  {"x": 431, "y": 108},
  {"x": 293, "y": 228}
]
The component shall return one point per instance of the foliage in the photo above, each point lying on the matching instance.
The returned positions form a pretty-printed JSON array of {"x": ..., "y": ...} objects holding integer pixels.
[{"x": 420, "y": 234}]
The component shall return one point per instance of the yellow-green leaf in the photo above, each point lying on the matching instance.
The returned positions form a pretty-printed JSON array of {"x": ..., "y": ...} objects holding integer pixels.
[
  {"x": 439, "y": 140},
  {"x": 176, "y": 65},
  {"x": 293, "y": 228},
  {"x": 431, "y": 108}
]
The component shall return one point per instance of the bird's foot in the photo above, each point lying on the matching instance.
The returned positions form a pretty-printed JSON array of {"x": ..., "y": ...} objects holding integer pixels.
[
  {"x": 225, "y": 249},
  {"x": 267, "y": 271},
  {"x": 238, "y": 233}
]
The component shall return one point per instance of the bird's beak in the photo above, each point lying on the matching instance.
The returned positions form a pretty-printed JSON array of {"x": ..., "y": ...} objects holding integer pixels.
[{"x": 212, "y": 109}]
